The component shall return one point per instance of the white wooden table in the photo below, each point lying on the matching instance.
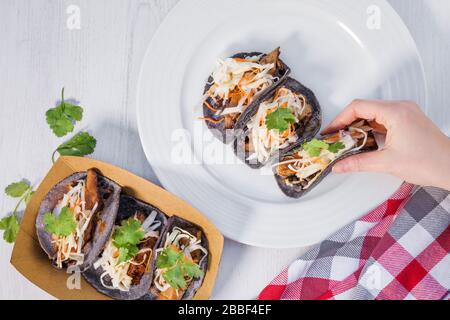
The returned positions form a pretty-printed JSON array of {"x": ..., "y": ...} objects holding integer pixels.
[{"x": 99, "y": 65}]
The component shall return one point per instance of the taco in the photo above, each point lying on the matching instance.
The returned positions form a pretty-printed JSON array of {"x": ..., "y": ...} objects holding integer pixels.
[
  {"x": 180, "y": 262},
  {"x": 280, "y": 122},
  {"x": 235, "y": 85},
  {"x": 304, "y": 168},
  {"x": 123, "y": 269},
  {"x": 76, "y": 217}
]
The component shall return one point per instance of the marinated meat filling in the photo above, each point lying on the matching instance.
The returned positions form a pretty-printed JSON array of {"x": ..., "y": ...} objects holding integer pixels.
[
  {"x": 235, "y": 84},
  {"x": 92, "y": 198},
  {"x": 136, "y": 271}
]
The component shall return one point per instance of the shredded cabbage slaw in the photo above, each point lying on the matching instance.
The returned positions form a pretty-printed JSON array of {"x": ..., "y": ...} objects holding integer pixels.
[
  {"x": 266, "y": 142},
  {"x": 69, "y": 248},
  {"x": 117, "y": 273},
  {"x": 245, "y": 77},
  {"x": 304, "y": 166}
]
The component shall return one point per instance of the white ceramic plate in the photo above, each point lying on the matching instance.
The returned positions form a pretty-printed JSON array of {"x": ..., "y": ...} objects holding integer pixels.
[{"x": 331, "y": 46}]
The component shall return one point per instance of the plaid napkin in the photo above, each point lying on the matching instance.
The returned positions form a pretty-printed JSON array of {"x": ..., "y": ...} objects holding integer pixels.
[{"x": 401, "y": 250}]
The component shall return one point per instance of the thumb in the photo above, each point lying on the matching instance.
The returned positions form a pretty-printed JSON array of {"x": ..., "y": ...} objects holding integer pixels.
[{"x": 365, "y": 162}]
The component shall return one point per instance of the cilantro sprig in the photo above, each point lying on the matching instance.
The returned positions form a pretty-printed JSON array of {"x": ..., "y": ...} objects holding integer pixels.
[
  {"x": 178, "y": 267},
  {"x": 315, "y": 147},
  {"x": 336, "y": 147},
  {"x": 10, "y": 225},
  {"x": 63, "y": 224},
  {"x": 62, "y": 118},
  {"x": 82, "y": 144},
  {"x": 280, "y": 119},
  {"x": 126, "y": 238}
]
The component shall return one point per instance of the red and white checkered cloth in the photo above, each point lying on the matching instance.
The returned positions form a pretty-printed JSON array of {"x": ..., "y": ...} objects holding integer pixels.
[{"x": 401, "y": 250}]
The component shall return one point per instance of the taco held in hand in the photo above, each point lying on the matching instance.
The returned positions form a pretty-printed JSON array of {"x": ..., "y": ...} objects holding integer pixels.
[
  {"x": 76, "y": 217},
  {"x": 235, "y": 85},
  {"x": 124, "y": 268},
  {"x": 279, "y": 123},
  {"x": 304, "y": 168}
]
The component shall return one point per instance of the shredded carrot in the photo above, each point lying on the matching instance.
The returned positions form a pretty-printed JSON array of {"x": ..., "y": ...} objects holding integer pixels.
[
  {"x": 287, "y": 132},
  {"x": 235, "y": 96},
  {"x": 210, "y": 107},
  {"x": 241, "y": 91},
  {"x": 277, "y": 94},
  {"x": 250, "y": 97},
  {"x": 240, "y": 60},
  {"x": 248, "y": 77},
  {"x": 212, "y": 120}
]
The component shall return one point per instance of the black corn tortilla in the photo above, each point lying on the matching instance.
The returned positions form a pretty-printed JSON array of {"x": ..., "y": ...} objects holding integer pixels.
[
  {"x": 196, "y": 283},
  {"x": 218, "y": 129},
  {"x": 307, "y": 129},
  {"x": 127, "y": 208},
  {"x": 103, "y": 220}
]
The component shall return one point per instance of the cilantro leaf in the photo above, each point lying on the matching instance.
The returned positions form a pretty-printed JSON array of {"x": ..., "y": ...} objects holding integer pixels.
[
  {"x": 336, "y": 147},
  {"x": 62, "y": 225},
  {"x": 280, "y": 119},
  {"x": 73, "y": 112},
  {"x": 129, "y": 233},
  {"x": 168, "y": 258},
  {"x": 314, "y": 143},
  {"x": 80, "y": 145},
  {"x": 175, "y": 277},
  {"x": 315, "y": 147},
  {"x": 127, "y": 253},
  {"x": 123, "y": 255},
  {"x": 10, "y": 225},
  {"x": 127, "y": 237},
  {"x": 192, "y": 269},
  {"x": 17, "y": 189},
  {"x": 58, "y": 122},
  {"x": 61, "y": 119},
  {"x": 178, "y": 267}
]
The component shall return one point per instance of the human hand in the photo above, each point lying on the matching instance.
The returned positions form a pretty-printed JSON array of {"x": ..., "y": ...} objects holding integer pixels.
[{"x": 416, "y": 150}]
